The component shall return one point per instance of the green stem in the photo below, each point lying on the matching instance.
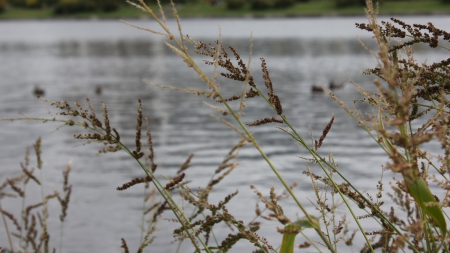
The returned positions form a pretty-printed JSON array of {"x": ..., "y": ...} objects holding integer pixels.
[
  {"x": 319, "y": 160},
  {"x": 61, "y": 237},
  {"x": 184, "y": 221},
  {"x": 143, "y": 217},
  {"x": 22, "y": 212},
  {"x": 174, "y": 207},
  {"x": 250, "y": 137},
  {"x": 280, "y": 178},
  {"x": 8, "y": 234}
]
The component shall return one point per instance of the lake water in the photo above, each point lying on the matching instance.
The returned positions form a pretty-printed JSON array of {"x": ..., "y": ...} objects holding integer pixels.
[{"x": 69, "y": 59}]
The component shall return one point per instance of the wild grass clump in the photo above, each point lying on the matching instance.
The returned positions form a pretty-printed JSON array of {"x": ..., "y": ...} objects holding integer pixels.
[
  {"x": 30, "y": 231},
  {"x": 410, "y": 109}
]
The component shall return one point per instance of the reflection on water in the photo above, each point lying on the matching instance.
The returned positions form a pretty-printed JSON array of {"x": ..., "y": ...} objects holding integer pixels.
[
  {"x": 75, "y": 58},
  {"x": 104, "y": 49}
]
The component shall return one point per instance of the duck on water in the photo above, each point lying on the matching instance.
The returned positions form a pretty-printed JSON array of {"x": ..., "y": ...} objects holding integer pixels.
[
  {"x": 38, "y": 91},
  {"x": 332, "y": 86}
]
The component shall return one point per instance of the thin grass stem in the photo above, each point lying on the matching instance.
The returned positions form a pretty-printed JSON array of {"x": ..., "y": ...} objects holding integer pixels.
[{"x": 8, "y": 234}]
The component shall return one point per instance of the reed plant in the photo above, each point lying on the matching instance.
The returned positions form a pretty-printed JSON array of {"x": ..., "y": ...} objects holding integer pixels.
[{"x": 410, "y": 109}]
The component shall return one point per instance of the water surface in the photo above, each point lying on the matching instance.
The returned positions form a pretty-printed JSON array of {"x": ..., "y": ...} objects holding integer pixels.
[{"x": 69, "y": 59}]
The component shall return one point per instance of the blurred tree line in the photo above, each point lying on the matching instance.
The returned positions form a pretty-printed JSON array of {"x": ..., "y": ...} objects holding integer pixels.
[
  {"x": 268, "y": 4},
  {"x": 62, "y": 7},
  {"x": 66, "y": 6}
]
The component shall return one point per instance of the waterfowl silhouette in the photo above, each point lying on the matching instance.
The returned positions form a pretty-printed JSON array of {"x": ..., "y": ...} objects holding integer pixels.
[
  {"x": 316, "y": 89},
  {"x": 335, "y": 86},
  {"x": 38, "y": 91},
  {"x": 98, "y": 90}
]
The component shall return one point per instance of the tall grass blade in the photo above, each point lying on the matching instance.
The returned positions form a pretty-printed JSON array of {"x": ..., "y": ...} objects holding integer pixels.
[
  {"x": 425, "y": 199},
  {"x": 291, "y": 231}
]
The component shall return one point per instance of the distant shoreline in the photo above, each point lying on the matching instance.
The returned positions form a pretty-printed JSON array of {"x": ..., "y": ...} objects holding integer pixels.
[
  {"x": 95, "y": 18},
  {"x": 324, "y": 8}
]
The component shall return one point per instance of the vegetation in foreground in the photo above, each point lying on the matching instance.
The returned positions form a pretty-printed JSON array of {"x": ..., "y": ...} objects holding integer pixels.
[
  {"x": 40, "y": 9},
  {"x": 408, "y": 94}
]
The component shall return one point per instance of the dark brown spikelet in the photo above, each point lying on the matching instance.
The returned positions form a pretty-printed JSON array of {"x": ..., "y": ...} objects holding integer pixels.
[
  {"x": 110, "y": 149},
  {"x": 31, "y": 207},
  {"x": 230, "y": 241},
  {"x": 267, "y": 81},
  {"x": 160, "y": 210},
  {"x": 32, "y": 233},
  {"x": 272, "y": 205},
  {"x": 27, "y": 157},
  {"x": 15, "y": 188},
  {"x": 151, "y": 156},
  {"x": 324, "y": 133},
  {"x": 66, "y": 176},
  {"x": 339, "y": 227},
  {"x": 29, "y": 174},
  {"x": 250, "y": 94},
  {"x": 106, "y": 138},
  {"x": 124, "y": 246},
  {"x": 65, "y": 202},
  {"x": 16, "y": 179},
  {"x": 95, "y": 121},
  {"x": 152, "y": 207},
  {"x": 50, "y": 196},
  {"x": 186, "y": 164},
  {"x": 117, "y": 135},
  {"x": 45, "y": 237},
  {"x": 264, "y": 121},
  {"x": 304, "y": 245},
  {"x": 106, "y": 120},
  {"x": 232, "y": 98},
  {"x": 239, "y": 73},
  {"x": 94, "y": 136},
  {"x": 82, "y": 113},
  {"x": 175, "y": 181},
  {"x": 137, "y": 152},
  {"x": 67, "y": 190},
  {"x": 37, "y": 148},
  {"x": 134, "y": 182},
  {"x": 12, "y": 218},
  {"x": 275, "y": 100}
]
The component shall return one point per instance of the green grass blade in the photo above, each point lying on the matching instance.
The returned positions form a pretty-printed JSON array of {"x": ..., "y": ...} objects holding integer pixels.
[
  {"x": 290, "y": 231},
  {"x": 305, "y": 223},
  {"x": 425, "y": 199}
]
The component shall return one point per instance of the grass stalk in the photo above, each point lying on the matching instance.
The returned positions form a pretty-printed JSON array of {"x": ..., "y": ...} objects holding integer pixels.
[
  {"x": 8, "y": 234},
  {"x": 191, "y": 63},
  {"x": 143, "y": 217},
  {"x": 177, "y": 211},
  {"x": 166, "y": 195}
]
